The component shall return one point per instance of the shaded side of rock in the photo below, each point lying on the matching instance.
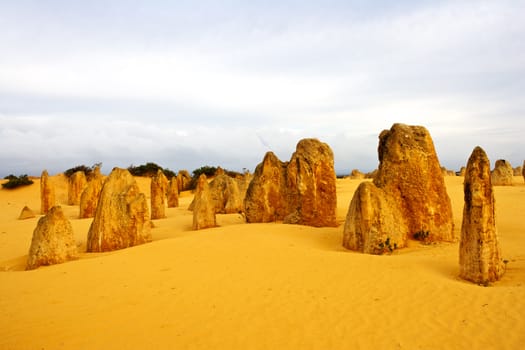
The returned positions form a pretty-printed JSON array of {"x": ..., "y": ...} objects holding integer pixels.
[
  {"x": 479, "y": 254},
  {"x": 374, "y": 223},
  {"x": 183, "y": 180},
  {"x": 47, "y": 193},
  {"x": 173, "y": 193},
  {"x": 122, "y": 217},
  {"x": 91, "y": 194},
  {"x": 76, "y": 185},
  {"x": 159, "y": 187},
  {"x": 53, "y": 240},
  {"x": 204, "y": 208}
]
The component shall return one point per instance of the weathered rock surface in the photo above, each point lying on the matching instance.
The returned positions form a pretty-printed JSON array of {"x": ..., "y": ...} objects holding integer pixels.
[
  {"x": 243, "y": 181},
  {"x": 204, "y": 208},
  {"x": 523, "y": 170},
  {"x": 479, "y": 254},
  {"x": 517, "y": 171},
  {"x": 310, "y": 184},
  {"x": 374, "y": 225},
  {"x": 462, "y": 171},
  {"x": 91, "y": 194},
  {"x": 183, "y": 180},
  {"x": 26, "y": 213},
  {"x": 77, "y": 184},
  {"x": 409, "y": 170},
  {"x": 265, "y": 198},
  {"x": 173, "y": 193},
  {"x": 225, "y": 195},
  {"x": 53, "y": 240},
  {"x": 407, "y": 198},
  {"x": 502, "y": 174},
  {"x": 301, "y": 191},
  {"x": 122, "y": 218},
  {"x": 47, "y": 193},
  {"x": 159, "y": 187}
]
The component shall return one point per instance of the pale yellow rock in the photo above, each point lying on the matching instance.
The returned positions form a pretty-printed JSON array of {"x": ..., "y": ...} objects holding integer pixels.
[
  {"x": 502, "y": 174},
  {"x": 47, "y": 193},
  {"x": 53, "y": 240},
  {"x": 159, "y": 187},
  {"x": 77, "y": 184},
  {"x": 91, "y": 194},
  {"x": 26, "y": 213},
  {"x": 204, "y": 208},
  {"x": 122, "y": 218}
]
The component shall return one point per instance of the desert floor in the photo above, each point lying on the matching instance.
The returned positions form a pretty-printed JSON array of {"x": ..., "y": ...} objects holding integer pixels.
[{"x": 257, "y": 286}]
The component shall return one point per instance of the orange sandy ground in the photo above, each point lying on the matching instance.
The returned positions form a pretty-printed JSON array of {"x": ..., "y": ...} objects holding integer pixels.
[{"x": 257, "y": 286}]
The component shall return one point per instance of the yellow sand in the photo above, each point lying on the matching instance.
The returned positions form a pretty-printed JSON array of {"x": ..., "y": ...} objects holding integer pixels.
[{"x": 257, "y": 286}]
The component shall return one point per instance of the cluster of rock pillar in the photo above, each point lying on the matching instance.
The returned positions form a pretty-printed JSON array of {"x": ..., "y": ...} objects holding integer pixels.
[
  {"x": 407, "y": 199},
  {"x": 301, "y": 191}
]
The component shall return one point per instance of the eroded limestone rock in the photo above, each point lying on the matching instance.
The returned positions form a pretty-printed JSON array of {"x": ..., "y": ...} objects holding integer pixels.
[
  {"x": 173, "y": 193},
  {"x": 159, "y": 187},
  {"x": 301, "y": 191},
  {"x": 122, "y": 217},
  {"x": 53, "y": 240},
  {"x": 502, "y": 174},
  {"x": 91, "y": 194},
  {"x": 77, "y": 184},
  {"x": 204, "y": 208},
  {"x": 47, "y": 193},
  {"x": 479, "y": 253},
  {"x": 407, "y": 198}
]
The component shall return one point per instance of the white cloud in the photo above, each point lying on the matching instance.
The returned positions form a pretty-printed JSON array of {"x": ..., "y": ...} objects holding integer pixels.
[{"x": 248, "y": 81}]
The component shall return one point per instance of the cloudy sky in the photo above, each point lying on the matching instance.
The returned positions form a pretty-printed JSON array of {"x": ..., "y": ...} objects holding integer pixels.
[{"x": 192, "y": 83}]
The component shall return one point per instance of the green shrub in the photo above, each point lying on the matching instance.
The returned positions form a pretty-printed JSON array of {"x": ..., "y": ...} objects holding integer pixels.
[
  {"x": 150, "y": 169},
  {"x": 87, "y": 170},
  {"x": 206, "y": 170},
  {"x": 209, "y": 171},
  {"x": 17, "y": 181}
]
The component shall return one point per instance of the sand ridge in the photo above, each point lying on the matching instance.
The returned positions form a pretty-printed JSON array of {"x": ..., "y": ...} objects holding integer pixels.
[{"x": 257, "y": 286}]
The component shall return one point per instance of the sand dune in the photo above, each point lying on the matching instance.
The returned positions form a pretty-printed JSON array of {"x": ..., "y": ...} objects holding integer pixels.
[{"x": 257, "y": 286}]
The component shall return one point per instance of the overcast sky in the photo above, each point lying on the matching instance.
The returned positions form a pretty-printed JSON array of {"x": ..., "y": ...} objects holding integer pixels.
[{"x": 191, "y": 83}]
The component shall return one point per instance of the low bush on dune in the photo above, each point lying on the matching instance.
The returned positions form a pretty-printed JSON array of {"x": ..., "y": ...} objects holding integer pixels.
[
  {"x": 209, "y": 171},
  {"x": 149, "y": 169},
  {"x": 87, "y": 170},
  {"x": 17, "y": 181},
  {"x": 206, "y": 170}
]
